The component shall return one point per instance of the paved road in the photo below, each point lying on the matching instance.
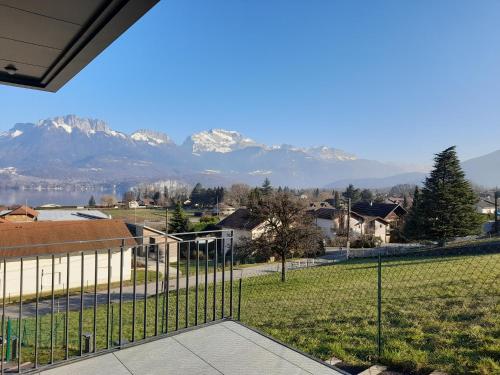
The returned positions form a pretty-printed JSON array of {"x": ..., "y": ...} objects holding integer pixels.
[{"x": 44, "y": 306}]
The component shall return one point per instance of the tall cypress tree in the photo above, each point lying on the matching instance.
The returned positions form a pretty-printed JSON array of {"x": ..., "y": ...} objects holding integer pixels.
[{"x": 447, "y": 206}]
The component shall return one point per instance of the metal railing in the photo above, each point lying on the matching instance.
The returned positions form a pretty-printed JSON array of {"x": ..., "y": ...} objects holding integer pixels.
[{"x": 65, "y": 304}]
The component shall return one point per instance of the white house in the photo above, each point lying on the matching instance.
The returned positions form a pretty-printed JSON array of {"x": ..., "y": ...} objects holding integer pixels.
[
  {"x": 485, "y": 207},
  {"x": 332, "y": 221},
  {"x": 64, "y": 241},
  {"x": 243, "y": 225}
]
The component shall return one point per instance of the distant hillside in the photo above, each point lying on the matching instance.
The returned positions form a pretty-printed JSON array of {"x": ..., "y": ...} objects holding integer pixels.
[
  {"x": 414, "y": 178},
  {"x": 80, "y": 150},
  {"x": 484, "y": 170}
]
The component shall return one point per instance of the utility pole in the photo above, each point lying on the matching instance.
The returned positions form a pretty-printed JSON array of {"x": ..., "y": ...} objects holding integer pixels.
[{"x": 348, "y": 245}]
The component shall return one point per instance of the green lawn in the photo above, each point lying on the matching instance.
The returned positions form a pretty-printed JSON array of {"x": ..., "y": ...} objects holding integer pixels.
[{"x": 437, "y": 313}]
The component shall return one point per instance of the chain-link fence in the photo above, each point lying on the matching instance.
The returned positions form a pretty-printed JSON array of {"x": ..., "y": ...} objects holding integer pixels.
[{"x": 419, "y": 312}]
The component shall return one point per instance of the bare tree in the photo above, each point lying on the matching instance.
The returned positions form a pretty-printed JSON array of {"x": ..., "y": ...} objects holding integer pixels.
[
  {"x": 238, "y": 194},
  {"x": 108, "y": 200},
  {"x": 287, "y": 230}
]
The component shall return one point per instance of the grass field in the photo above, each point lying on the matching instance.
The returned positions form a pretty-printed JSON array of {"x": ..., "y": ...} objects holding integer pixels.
[
  {"x": 142, "y": 214},
  {"x": 437, "y": 313}
]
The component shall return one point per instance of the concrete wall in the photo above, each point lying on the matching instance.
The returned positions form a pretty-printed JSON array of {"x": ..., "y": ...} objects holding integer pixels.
[{"x": 13, "y": 274}]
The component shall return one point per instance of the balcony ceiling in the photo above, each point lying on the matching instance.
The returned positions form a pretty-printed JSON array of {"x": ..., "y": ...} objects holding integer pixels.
[{"x": 44, "y": 43}]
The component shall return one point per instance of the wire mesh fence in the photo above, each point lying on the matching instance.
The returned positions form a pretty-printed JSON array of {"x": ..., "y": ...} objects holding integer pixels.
[{"x": 413, "y": 312}]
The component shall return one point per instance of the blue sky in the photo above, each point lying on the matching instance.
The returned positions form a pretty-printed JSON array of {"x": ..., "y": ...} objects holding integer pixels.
[{"x": 387, "y": 80}]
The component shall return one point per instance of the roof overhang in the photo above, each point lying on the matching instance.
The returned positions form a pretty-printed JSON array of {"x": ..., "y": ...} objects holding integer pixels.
[{"x": 45, "y": 43}]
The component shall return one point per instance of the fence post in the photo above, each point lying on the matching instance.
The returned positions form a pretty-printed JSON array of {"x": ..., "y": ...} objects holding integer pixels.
[
  {"x": 379, "y": 307},
  {"x": 239, "y": 297}
]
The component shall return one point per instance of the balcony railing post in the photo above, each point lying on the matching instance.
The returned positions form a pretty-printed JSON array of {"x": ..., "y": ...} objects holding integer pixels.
[
  {"x": 196, "y": 283},
  {"x": 134, "y": 293},
  {"x": 177, "y": 288},
  {"x": 223, "y": 307},
  {"x": 206, "y": 283},
  {"x": 20, "y": 320},
  {"x": 145, "y": 315},
  {"x": 214, "y": 306},
  {"x": 80, "y": 322},
  {"x": 120, "y": 307},
  {"x": 108, "y": 302},
  {"x": 95, "y": 301},
  {"x": 37, "y": 295},
  {"x": 52, "y": 306},
  {"x": 4, "y": 289},
  {"x": 66, "y": 325},
  {"x": 188, "y": 259},
  {"x": 167, "y": 285},
  {"x": 379, "y": 307},
  {"x": 157, "y": 247},
  {"x": 231, "y": 278}
]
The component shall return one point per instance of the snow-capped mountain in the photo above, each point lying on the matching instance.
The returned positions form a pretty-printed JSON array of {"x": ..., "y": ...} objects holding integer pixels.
[
  {"x": 85, "y": 126},
  {"x": 218, "y": 140},
  {"x": 153, "y": 138},
  {"x": 74, "y": 149}
]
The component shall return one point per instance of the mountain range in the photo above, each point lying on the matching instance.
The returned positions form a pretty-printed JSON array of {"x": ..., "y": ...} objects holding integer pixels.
[{"x": 71, "y": 149}]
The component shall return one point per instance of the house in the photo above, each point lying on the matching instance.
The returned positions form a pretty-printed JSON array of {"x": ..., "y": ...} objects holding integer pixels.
[
  {"x": 243, "y": 225},
  {"x": 333, "y": 222},
  {"x": 393, "y": 213},
  {"x": 64, "y": 241},
  {"x": 485, "y": 207},
  {"x": 133, "y": 204},
  {"x": 153, "y": 237},
  {"x": 326, "y": 218},
  {"x": 19, "y": 214}
]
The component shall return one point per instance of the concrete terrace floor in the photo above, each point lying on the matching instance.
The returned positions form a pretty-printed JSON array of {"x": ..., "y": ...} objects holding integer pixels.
[{"x": 222, "y": 348}]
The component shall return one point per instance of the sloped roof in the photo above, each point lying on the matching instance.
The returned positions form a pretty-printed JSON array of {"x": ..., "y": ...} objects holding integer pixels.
[
  {"x": 325, "y": 213},
  {"x": 240, "y": 219},
  {"x": 55, "y": 237},
  {"x": 381, "y": 210},
  {"x": 21, "y": 210}
]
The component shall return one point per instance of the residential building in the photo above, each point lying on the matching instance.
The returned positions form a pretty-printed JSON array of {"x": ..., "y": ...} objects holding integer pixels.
[
  {"x": 149, "y": 238},
  {"x": 485, "y": 207},
  {"x": 393, "y": 213},
  {"x": 63, "y": 242},
  {"x": 244, "y": 225},
  {"x": 20, "y": 214}
]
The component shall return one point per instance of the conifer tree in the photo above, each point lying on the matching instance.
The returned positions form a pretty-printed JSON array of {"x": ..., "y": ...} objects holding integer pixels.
[
  {"x": 413, "y": 225},
  {"x": 92, "y": 201},
  {"x": 447, "y": 206},
  {"x": 179, "y": 222},
  {"x": 266, "y": 188}
]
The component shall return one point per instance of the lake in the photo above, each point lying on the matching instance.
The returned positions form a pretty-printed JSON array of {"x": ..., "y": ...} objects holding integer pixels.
[{"x": 36, "y": 198}]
